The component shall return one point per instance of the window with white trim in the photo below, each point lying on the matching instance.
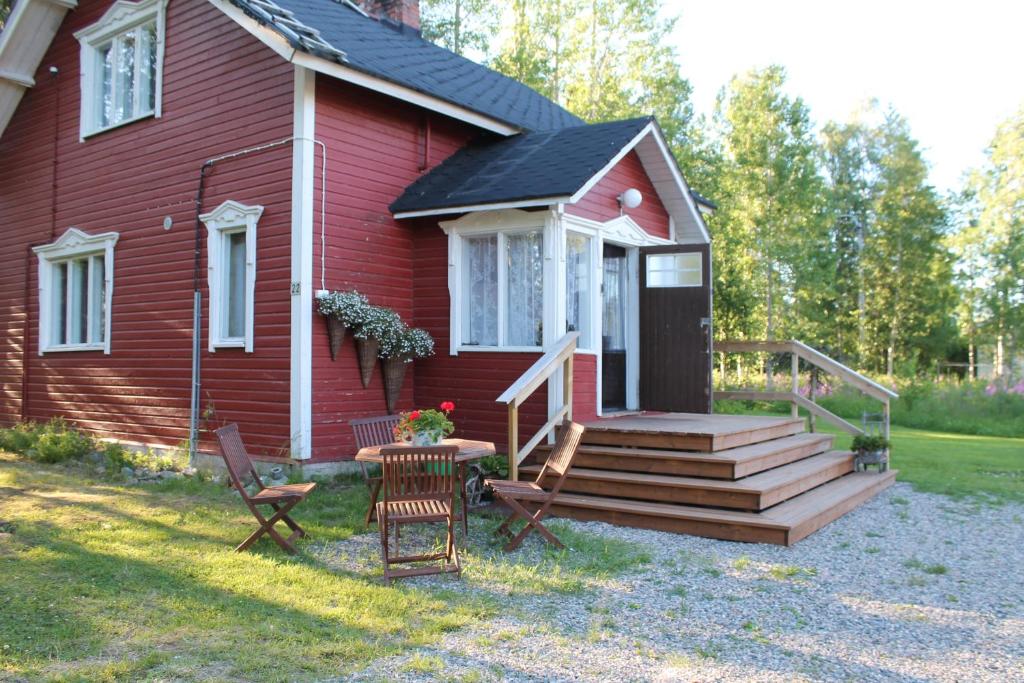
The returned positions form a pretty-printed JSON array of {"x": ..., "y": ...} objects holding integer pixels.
[
  {"x": 502, "y": 283},
  {"x": 231, "y": 263},
  {"x": 579, "y": 287},
  {"x": 122, "y": 65},
  {"x": 675, "y": 270},
  {"x": 75, "y": 290}
]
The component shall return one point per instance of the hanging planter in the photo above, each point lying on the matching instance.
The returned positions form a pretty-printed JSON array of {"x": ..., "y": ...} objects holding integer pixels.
[
  {"x": 394, "y": 377},
  {"x": 344, "y": 311},
  {"x": 367, "y": 352},
  {"x": 336, "y": 334}
]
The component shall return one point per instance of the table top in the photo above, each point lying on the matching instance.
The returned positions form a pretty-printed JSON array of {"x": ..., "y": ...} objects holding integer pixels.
[{"x": 468, "y": 450}]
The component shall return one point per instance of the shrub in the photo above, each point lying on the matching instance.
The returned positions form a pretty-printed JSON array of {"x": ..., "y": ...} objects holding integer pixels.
[
  {"x": 59, "y": 442},
  {"x": 19, "y": 438}
]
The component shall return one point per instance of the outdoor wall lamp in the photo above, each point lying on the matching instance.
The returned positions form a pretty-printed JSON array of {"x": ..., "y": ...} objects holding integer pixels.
[{"x": 630, "y": 199}]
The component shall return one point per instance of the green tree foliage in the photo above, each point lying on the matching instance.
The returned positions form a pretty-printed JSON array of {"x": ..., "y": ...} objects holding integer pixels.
[
  {"x": 462, "y": 26},
  {"x": 990, "y": 245},
  {"x": 771, "y": 263}
]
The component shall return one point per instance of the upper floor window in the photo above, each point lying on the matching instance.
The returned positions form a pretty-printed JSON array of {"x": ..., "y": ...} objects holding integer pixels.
[
  {"x": 121, "y": 61},
  {"x": 75, "y": 290},
  {"x": 231, "y": 254}
]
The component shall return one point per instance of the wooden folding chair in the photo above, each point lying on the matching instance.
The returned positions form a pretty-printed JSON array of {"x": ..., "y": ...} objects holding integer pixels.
[
  {"x": 281, "y": 498},
  {"x": 373, "y": 431},
  {"x": 418, "y": 487},
  {"x": 512, "y": 492}
]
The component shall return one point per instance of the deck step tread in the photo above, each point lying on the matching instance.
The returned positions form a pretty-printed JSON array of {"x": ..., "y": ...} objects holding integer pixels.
[
  {"x": 737, "y": 455},
  {"x": 690, "y": 424},
  {"x": 754, "y": 484},
  {"x": 823, "y": 502}
]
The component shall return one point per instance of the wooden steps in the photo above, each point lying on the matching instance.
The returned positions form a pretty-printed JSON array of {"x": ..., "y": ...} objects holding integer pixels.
[
  {"x": 756, "y": 492},
  {"x": 728, "y": 464},
  {"x": 758, "y": 479},
  {"x": 689, "y": 432},
  {"x": 784, "y": 524}
]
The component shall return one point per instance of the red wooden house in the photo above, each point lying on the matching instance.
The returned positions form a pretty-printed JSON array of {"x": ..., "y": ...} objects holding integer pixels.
[{"x": 337, "y": 149}]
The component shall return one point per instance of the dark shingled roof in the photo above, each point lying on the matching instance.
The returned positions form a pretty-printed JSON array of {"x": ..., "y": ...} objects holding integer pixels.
[
  {"x": 554, "y": 163},
  {"x": 402, "y": 57}
]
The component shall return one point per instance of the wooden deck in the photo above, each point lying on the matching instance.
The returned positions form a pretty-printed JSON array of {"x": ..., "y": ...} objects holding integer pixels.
[{"x": 758, "y": 479}]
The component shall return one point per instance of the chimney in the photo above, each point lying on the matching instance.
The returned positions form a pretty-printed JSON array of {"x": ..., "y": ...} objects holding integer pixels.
[{"x": 404, "y": 12}]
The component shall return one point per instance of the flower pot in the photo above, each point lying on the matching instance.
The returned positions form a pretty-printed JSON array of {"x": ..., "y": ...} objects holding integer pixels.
[
  {"x": 862, "y": 459},
  {"x": 394, "y": 376},
  {"x": 367, "y": 350},
  {"x": 336, "y": 335},
  {"x": 431, "y": 438}
]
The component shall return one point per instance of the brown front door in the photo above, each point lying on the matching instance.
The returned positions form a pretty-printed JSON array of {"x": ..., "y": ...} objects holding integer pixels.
[{"x": 675, "y": 328}]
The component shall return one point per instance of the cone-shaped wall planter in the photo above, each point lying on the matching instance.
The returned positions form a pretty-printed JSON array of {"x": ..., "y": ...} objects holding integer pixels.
[
  {"x": 336, "y": 334},
  {"x": 367, "y": 350},
  {"x": 394, "y": 376}
]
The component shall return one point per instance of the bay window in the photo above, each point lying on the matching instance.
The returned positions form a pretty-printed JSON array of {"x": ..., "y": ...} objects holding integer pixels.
[
  {"x": 502, "y": 282},
  {"x": 75, "y": 289},
  {"x": 121, "y": 62},
  {"x": 231, "y": 262}
]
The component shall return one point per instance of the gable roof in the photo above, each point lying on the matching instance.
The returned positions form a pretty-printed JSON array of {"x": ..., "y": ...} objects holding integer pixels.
[
  {"x": 549, "y": 164},
  {"x": 337, "y": 31},
  {"x": 551, "y": 167}
]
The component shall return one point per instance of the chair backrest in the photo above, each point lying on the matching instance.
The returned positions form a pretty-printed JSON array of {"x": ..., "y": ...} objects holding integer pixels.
[
  {"x": 570, "y": 434},
  {"x": 236, "y": 458},
  {"x": 418, "y": 472},
  {"x": 374, "y": 431}
]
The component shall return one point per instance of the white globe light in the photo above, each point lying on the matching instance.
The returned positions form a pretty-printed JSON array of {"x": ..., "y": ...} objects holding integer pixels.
[{"x": 631, "y": 198}]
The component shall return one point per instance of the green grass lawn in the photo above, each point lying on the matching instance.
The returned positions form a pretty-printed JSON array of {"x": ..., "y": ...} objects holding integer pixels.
[
  {"x": 957, "y": 465},
  {"x": 109, "y": 582}
]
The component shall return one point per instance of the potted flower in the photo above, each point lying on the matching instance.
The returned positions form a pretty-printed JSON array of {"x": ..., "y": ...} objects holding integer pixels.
[
  {"x": 399, "y": 347},
  {"x": 377, "y": 324},
  {"x": 870, "y": 450},
  {"x": 343, "y": 310},
  {"x": 426, "y": 427}
]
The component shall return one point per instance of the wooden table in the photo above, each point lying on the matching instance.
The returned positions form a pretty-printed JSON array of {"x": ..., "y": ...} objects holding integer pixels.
[{"x": 469, "y": 450}]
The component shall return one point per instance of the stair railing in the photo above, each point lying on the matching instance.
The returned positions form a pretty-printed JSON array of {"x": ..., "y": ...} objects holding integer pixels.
[
  {"x": 558, "y": 356},
  {"x": 820, "y": 362}
]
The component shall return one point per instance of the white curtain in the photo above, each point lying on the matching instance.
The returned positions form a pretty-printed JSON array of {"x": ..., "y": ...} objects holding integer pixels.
[
  {"x": 524, "y": 321},
  {"x": 480, "y": 285},
  {"x": 577, "y": 286}
]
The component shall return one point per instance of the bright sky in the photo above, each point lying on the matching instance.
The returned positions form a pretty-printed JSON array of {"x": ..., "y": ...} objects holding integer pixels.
[{"x": 955, "y": 70}]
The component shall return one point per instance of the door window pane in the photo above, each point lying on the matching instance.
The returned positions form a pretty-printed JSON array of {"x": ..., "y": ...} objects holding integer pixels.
[
  {"x": 480, "y": 284},
  {"x": 525, "y": 291},
  {"x": 614, "y": 303},
  {"x": 578, "y": 287},
  {"x": 234, "y": 304},
  {"x": 675, "y": 270}
]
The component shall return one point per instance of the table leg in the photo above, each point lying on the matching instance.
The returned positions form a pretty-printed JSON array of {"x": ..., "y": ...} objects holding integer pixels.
[{"x": 465, "y": 504}]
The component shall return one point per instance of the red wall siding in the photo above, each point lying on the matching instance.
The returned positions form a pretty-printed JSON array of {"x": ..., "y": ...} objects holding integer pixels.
[
  {"x": 222, "y": 91},
  {"x": 601, "y": 203},
  {"x": 375, "y": 149}
]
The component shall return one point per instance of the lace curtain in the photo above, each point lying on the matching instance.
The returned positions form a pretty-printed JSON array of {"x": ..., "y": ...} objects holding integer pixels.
[
  {"x": 577, "y": 286},
  {"x": 525, "y": 292},
  {"x": 480, "y": 317}
]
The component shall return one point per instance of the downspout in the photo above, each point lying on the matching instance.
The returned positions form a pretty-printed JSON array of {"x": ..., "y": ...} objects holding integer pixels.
[{"x": 196, "y": 384}]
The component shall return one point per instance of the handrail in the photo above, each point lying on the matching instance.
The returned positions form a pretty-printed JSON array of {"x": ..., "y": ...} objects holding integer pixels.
[
  {"x": 799, "y": 350},
  {"x": 559, "y": 355}
]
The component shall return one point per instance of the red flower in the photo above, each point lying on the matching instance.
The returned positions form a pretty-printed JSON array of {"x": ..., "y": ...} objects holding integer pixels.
[
  {"x": 414, "y": 415},
  {"x": 447, "y": 406}
]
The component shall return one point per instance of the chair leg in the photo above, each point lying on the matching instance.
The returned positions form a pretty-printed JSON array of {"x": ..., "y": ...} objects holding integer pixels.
[
  {"x": 374, "y": 494},
  {"x": 465, "y": 502},
  {"x": 298, "y": 531},
  {"x": 267, "y": 527},
  {"x": 382, "y": 527},
  {"x": 532, "y": 523}
]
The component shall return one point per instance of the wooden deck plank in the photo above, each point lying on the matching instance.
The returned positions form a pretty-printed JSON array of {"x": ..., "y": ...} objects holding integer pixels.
[
  {"x": 752, "y": 493},
  {"x": 689, "y": 431},
  {"x": 784, "y": 524}
]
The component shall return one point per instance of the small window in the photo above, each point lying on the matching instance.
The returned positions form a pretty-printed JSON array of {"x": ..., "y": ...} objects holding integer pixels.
[
  {"x": 675, "y": 270},
  {"x": 231, "y": 254},
  {"x": 75, "y": 287},
  {"x": 578, "y": 287},
  {"x": 121, "y": 57},
  {"x": 502, "y": 280}
]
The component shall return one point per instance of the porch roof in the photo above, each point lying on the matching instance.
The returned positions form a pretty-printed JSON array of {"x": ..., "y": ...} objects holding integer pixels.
[{"x": 546, "y": 164}]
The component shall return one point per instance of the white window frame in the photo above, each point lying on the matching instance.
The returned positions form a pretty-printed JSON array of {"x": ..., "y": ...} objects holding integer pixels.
[
  {"x": 699, "y": 270},
  {"x": 500, "y": 223},
  {"x": 123, "y": 16},
  {"x": 228, "y": 218},
  {"x": 595, "y": 276},
  {"x": 75, "y": 244}
]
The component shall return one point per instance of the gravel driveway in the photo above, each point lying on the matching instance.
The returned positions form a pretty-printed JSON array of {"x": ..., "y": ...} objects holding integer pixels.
[{"x": 909, "y": 587}]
